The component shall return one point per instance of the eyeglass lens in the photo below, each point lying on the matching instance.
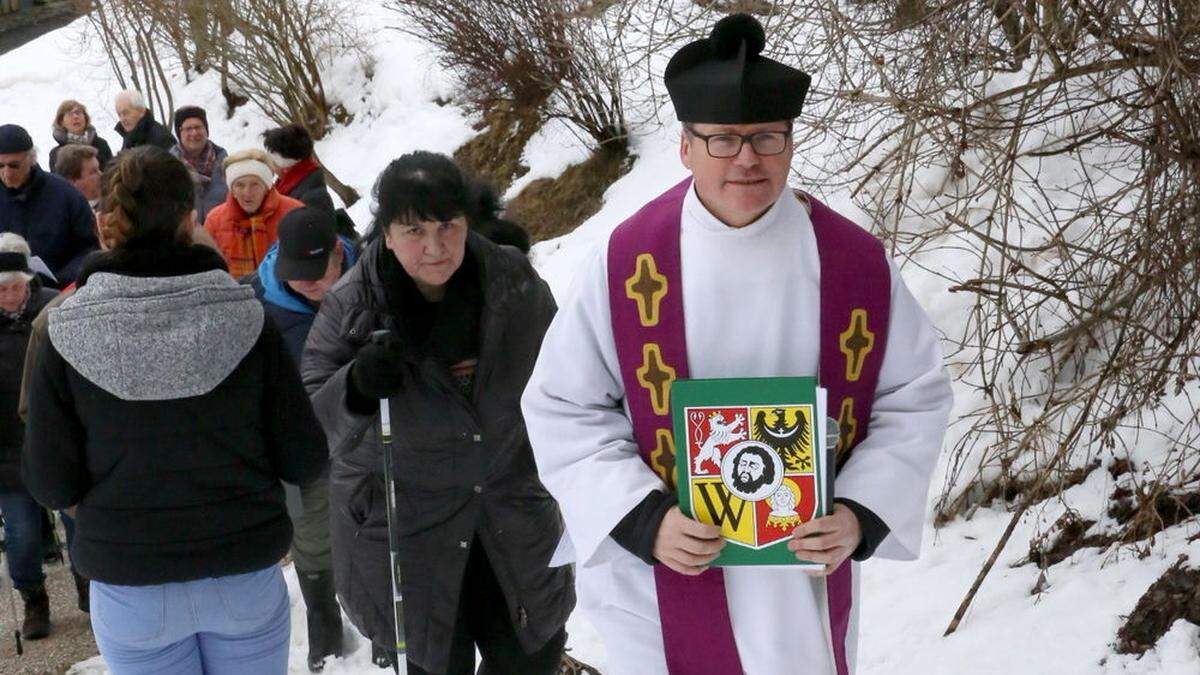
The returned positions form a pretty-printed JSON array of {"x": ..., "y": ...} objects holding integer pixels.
[{"x": 764, "y": 143}]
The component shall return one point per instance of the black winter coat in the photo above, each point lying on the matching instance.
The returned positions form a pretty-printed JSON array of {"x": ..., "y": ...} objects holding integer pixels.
[
  {"x": 54, "y": 218},
  {"x": 146, "y": 132},
  {"x": 167, "y": 408},
  {"x": 464, "y": 467},
  {"x": 103, "y": 152},
  {"x": 312, "y": 191},
  {"x": 14, "y": 336}
]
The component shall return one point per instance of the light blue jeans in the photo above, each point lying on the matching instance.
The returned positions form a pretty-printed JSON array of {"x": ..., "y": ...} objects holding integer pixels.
[{"x": 232, "y": 625}]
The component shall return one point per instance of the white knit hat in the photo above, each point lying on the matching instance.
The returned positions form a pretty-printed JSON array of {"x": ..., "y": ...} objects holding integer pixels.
[{"x": 249, "y": 162}]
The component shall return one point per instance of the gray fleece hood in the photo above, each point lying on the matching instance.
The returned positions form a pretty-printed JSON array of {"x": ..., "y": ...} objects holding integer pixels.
[{"x": 157, "y": 338}]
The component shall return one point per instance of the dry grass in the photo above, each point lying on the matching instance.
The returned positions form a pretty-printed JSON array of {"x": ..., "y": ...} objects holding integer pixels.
[
  {"x": 548, "y": 208},
  {"x": 495, "y": 154}
]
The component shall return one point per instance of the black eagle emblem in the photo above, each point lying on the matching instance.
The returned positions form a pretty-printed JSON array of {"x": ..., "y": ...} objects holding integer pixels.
[{"x": 790, "y": 441}]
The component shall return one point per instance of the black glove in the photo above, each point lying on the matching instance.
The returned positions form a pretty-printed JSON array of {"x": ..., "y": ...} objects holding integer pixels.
[{"x": 378, "y": 370}]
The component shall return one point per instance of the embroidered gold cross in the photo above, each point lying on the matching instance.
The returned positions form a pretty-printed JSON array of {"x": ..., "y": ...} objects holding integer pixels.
[
  {"x": 848, "y": 426},
  {"x": 657, "y": 377},
  {"x": 662, "y": 460},
  {"x": 856, "y": 342},
  {"x": 647, "y": 288}
]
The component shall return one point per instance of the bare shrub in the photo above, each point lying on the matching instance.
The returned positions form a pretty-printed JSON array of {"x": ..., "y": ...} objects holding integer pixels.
[
  {"x": 1057, "y": 143},
  {"x": 269, "y": 52},
  {"x": 549, "y": 56},
  {"x": 133, "y": 40},
  {"x": 512, "y": 51}
]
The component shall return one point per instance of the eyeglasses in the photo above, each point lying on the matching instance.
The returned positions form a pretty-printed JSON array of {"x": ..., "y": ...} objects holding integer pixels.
[{"x": 724, "y": 146}]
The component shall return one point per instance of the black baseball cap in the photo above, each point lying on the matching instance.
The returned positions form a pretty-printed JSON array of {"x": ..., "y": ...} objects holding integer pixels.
[{"x": 307, "y": 237}]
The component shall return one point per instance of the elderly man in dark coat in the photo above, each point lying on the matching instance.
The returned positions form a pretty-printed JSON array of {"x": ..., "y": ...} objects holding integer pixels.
[
  {"x": 137, "y": 124},
  {"x": 43, "y": 208}
]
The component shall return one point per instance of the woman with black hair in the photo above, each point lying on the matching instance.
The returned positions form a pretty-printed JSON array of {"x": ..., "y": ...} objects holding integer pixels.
[
  {"x": 168, "y": 411},
  {"x": 477, "y": 528}
]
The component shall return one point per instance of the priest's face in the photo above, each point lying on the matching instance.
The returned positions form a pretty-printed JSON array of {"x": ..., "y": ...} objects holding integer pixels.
[{"x": 740, "y": 188}]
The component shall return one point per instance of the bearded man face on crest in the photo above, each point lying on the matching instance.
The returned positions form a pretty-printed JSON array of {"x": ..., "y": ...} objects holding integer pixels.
[{"x": 752, "y": 470}]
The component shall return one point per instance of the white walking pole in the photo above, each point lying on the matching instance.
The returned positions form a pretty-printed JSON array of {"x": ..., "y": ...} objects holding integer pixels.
[{"x": 385, "y": 429}]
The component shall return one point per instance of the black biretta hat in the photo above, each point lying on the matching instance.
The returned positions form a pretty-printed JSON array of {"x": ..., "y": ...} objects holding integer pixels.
[{"x": 724, "y": 79}]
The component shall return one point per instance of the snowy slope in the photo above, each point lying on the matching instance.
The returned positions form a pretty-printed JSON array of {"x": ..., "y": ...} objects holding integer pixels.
[{"x": 1069, "y": 627}]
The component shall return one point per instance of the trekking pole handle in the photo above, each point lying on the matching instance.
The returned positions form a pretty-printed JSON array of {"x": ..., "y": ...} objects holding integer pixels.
[{"x": 381, "y": 337}]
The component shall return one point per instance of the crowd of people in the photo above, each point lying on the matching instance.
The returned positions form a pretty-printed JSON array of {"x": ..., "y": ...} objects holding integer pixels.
[
  {"x": 134, "y": 432},
  {"x": 197, "y": 346},
  {"x": 57, "y": 231}
]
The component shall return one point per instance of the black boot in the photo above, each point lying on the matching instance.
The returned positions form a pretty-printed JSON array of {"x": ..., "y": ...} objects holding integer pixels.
[
  {"x": 324, "y": 618},
  {"x": 83, "y": 591},
  {"x": 37, "y": 613}
]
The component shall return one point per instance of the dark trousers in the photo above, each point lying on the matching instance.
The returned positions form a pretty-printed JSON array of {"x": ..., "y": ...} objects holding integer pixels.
[
  {"x": 483, "y": 620},
  {"x": 24, "y": 531},
  {"x": 310, "y": 524},
  {"x": 22, "y": 538}
]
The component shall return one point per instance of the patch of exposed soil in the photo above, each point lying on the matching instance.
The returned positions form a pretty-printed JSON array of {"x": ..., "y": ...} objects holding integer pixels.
[
  {"x": 1068, "y": 535},
  {"x": 1176, "y": 595},
  {"x": 1152, "y": 509},
  {"x": 1009, "y": 490}
]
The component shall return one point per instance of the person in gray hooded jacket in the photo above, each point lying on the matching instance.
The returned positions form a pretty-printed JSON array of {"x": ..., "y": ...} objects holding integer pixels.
[{"x": 168, "y": 411}]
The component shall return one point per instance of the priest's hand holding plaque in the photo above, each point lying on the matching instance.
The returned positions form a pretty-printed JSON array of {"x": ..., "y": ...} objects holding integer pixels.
[
  {"x": 829, "y": 540},
  {"x": 685, "y": 545}
]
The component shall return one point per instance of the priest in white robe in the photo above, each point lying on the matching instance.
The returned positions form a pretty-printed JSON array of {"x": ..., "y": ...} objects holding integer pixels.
[{"x": 751, "y": 288}]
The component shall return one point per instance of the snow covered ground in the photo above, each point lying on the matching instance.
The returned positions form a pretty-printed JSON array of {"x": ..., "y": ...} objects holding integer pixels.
[{"x": 1069, "y": 627}]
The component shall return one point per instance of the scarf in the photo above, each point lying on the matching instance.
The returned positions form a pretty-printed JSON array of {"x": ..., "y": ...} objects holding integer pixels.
[
  {"x": 291, "y": 176},
  {"x": 203, "y": 162},
  {"x": 64, "y": 137},
  {"x": 449, "y": 330}
]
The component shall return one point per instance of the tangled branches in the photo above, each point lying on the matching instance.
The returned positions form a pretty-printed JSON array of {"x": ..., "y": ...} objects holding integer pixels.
[
  {"x": 269, "y": 52},
  {"x": 531, "y": 55},
  {"x": 1057, "y": 144}
]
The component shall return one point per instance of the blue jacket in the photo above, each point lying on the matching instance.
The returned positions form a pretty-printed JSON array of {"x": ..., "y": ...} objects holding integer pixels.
[
  {"x": 292, "y": 315},
  {"x": 54, "y": 218}
]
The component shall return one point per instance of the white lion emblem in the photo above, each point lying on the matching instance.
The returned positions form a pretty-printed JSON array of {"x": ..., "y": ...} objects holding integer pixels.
[{"x": 720, "y": 433}]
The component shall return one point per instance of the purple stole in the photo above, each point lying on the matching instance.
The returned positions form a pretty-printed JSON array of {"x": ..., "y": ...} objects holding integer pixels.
[{"x": 646, "y": 299}]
